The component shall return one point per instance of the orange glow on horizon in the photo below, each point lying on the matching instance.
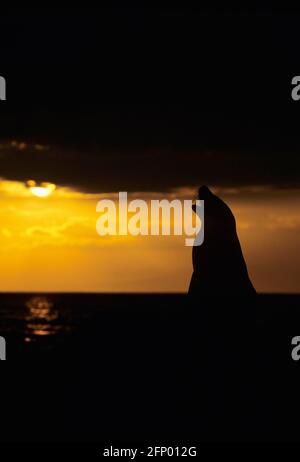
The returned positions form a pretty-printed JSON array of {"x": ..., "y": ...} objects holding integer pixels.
[{"x": 52, "y": 245}]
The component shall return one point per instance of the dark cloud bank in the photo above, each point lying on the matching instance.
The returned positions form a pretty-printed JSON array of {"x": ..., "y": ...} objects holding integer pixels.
[{"x": 149, "y": 98}]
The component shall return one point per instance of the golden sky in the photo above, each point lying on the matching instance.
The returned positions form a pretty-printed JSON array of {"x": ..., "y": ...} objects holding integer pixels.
[{"x": 50, "y": 244}]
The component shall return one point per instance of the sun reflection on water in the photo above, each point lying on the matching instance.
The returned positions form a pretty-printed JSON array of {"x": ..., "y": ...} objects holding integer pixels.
[{"x": 41, "y": 317}]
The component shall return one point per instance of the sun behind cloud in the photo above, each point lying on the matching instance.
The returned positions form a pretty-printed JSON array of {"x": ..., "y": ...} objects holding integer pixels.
[{"x": 43, "y": 190}]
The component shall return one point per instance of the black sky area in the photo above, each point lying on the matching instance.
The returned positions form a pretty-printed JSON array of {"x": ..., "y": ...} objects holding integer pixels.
[{"x": 149, "y": 98}]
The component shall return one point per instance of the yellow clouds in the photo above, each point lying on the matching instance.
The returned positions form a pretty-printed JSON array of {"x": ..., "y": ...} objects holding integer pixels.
[
  {"x": 6, "y": 233},
  {"x": 13, "y": 189},
  {"x": 51, "y": 244},
  {"x": 64, "y": 218}
]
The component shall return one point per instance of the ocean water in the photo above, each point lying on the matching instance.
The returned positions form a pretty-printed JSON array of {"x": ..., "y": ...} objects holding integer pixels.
[
  {"x": 34, "y": 321},
  {"x": 43, "y": 323},
  {"x": 140, "y": 367},
  {"x": 37, "y": 322}
]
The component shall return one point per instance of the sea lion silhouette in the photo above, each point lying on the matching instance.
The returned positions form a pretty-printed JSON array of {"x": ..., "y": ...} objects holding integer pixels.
[{"x": 219, "y": 265}]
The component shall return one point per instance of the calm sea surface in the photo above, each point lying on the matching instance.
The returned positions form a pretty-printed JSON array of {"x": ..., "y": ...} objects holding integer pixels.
[{"x": 44, "y": 321}]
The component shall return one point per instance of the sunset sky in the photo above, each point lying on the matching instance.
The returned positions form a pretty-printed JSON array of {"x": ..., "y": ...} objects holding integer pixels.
[
  {"x": 51, "y": 244},
  {"x": 151, "y": 102}
]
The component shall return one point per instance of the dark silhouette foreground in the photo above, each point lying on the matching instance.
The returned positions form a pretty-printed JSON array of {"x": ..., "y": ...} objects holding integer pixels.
[{"x": 219, "y": 265}]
